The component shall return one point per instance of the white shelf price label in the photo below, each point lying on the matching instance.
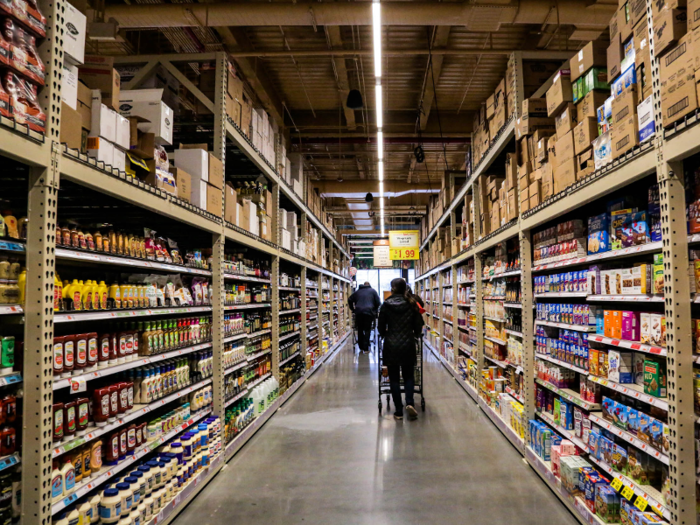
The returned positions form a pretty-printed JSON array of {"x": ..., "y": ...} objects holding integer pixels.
[{"x": 78, "y": 384}]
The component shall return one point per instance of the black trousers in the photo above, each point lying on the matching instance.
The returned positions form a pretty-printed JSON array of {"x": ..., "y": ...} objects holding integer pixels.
[
  {"x": 395, "y": 373},
  {"x": 364, "y": 329}
]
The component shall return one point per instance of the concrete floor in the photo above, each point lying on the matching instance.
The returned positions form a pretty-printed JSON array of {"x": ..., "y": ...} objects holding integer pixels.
[{"x": 326, "y": 458}]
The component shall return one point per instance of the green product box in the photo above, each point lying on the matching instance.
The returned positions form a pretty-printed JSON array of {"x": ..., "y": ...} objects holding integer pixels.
[
  {"x": 658, "y": 268},
  {"x": 595, "y": 78},
  {"x": 557, "y": 411},
  {"x": 654, "y": 378}
]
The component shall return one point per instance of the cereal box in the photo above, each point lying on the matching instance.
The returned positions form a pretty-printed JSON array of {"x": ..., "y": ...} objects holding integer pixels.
[
  {"x": 635, "y": 230},
  {"x": 654, "y": 377},
  {"x": 641, "y": 279},
  {"x": 632, "y": 421},
  {"x": 593, "y": 361},
  {"x": 638, "y": 366},
  {"x": 598, "y": 236},
  {"x": 620, "y": 415},
  {"x": 620, "y": 367},
  {"x": 655, "y": 330},
  {"x": 658, "y": 438},
  {"x": 592, "y": 480},
  {"x": 638, "y": 466},
  {"x": 619, "y": 459},
  {"x": 603, "y": 363},
  {"x": 617, "y": 220},
  {"x": 608, "y": 406},
  {"x": 658, "y": 273},
  {"x": 645, "y": 327},
  {"x": 607, "y": 504},
  {"x": 630, "y": 325}
]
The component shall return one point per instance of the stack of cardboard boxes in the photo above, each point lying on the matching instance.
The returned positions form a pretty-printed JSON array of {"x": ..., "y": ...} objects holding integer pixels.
[
  {"x": 533, "y": 131},
  {"x": 289, "y": 233},
  {"x": 76, "y": 98},
  {"x": 205, "y": 173},
  {"x": 249, "y": 207}
]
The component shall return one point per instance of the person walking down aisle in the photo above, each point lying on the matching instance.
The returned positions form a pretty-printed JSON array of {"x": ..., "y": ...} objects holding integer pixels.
[
  {"x": 400, "y": 322},
  {"x": 364, "y": 303}
]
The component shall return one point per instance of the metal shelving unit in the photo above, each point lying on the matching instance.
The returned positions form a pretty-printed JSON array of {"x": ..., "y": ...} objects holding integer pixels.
[{"x": 664, "y": 156}]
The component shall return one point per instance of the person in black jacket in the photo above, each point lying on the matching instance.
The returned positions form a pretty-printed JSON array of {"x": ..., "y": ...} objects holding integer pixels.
[
  {"x": 365, "y": 303},
  {"x": 400, "y": 323}
]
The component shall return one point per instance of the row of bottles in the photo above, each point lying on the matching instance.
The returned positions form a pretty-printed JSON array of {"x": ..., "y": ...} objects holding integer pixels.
[
  {"x": 247, "y": 294},
  {"x": 238, "y": 264},
  {"x": 244, "y": 411},
  {"x": 87, "y": 352},
  {"x": 289, "y": 323},
  {"x": 289, "y": 301},
  {"x": 234, "y": 353},
  {"x": 288, "y": 348}
]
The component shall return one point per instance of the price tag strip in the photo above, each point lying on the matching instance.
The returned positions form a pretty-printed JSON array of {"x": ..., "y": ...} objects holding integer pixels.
[
  {"x": 642, "y": 496},
  {"x": 119, "y": 314},
  {"x": 574, "y": 327},
  {"x": 64, "y": 383},
  {"x": 11, "y": 309},
  {"x": 81, "y": 489},
  {"x": 561, "y": 294},
  {"x": 632, "y": 345},
  {"x": 234, "y": 337},
  {"x": 631, "y": 390},
  {"x": 137, "y": 411},
  {"x": 625, "y": 252},
  {"x": 290, "y": 311},
  {"x": 65, "y": 253},
  {"x": 645, "y": 447},
  {"x": 496, "y": 362},
  {"x": 569, "y": 395},
  {"x": 290, "y": 334},
  {"x": 515, "y": 395},
  {"x": 285, "y": 361},
  {"x": 496, "y": 340},
  {"x": 627, "y": 298},
  {"x": 246, "y": 306},
  {"x": 561, "y": 363},
  {"x": 246, "y": 278}
]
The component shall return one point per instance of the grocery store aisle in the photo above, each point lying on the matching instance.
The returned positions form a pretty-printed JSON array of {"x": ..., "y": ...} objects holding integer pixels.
[{"x": 327, "y": 458}]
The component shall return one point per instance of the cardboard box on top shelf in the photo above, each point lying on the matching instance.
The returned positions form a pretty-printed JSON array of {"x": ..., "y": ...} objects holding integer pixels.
[
  {"x": 524, "y": 200},
  {"x": 624, "y": 23},
  {"x": 677, "y": 72},
  {"x": 511, "y": 171},
  {"x": 523, "y": 177},
  {"x": 148, "y": 104},
  {"x": 183, "y": 181},
  {"x": 141, "y": 144},
  {"x": 542, "y": 150},
  {"x": 119, "y": 160},
  {"x": 565, "y": 121},
  {"x": 163, "y": 180},
  {"x": 614, "y": 57},
  {"x": 122, "y": 135},
  {"x": 669, "y": 27},
  {"x": 624, "y": 136},
  {"x": 593, "y": 54},
  {"x": 74, "y": 23},
  {"x": 537, "y": 72},
  {"x": 69, "y": 85},
  {"x": 638, "y": 10},
  {"x": 198, "y": 193},
  {"x": 658, "y": 6},
  {"x": 624, "y": 105},
  {"x": 643, "y": 74},
  {"x": 534, "y": 193},
  {"x": 614, "y": 31},
  {"x": 586, "y": 164},
  {"x": 84, "y": 105},
  {"x": 640, "y": 39},
  {"x": 565, "y": 175},
  {"x": 104, "y": 119},
  {"x": 693, "y": 14},
  {"x": 559, "y": 93},
  {"x": 97, "y": 72},
  {"x": 587, "y": 106},
  {"x": 552, "y": 152},
  {"x": 230, "y": 203},
  {"x": 546, "y": 183},
  {"x": 72, "y": 132},
  {"x": 585, "y": 132},
  {"x": 565, "y": 147},
  {"x": 490, "y": 106},
  {"x": 512, "y": 207}
]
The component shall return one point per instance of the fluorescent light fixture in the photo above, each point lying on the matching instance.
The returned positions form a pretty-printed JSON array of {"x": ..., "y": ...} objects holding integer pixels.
[
  {"x": 377, "y": 37},
  {"x": 360, "y": 241},
  {"x": 370, "y": 257},
  {"x": 380, "y": 170},
  {"x": 381, "y": 193},
  {"x": 380, "y": 110},
  {"x": 380, "y": 145}
]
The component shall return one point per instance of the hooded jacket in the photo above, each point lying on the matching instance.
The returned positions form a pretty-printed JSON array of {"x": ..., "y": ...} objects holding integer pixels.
[
  {"x": 399, "y": 324},
  {"x": 364, "y": 301}
]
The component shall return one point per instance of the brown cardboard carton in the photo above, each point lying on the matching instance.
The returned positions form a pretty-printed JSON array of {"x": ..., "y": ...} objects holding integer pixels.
[
  {"x": 158, "y": 179},
  {"x": 641, "y": 42},
  {"x": 559, "y": 93},
  {"x": 524, "y": 200},
  {"x": 614, "y": 31},
  {"x": 552, "y": 152},
  {"x": 614, "y": 57},
  {"x": 586, "y": 164},
  {"x": 523, "y": 154},
  {"x": 669, "y": 27},
  {"x": 537, "y": 72},
  {"x": 512, "y": 207},
  {"x": 536, "y": 107},
  {"x": 216, "y": 172},
  {"x": 230, "y": 203},
  {"x": 643, "y": 67},
  {"x": 542, "y": 150},
  {"x": 678, "y": 96},
  {"x": 587, "y": 106},
  {"x": 565, "y": 147},
  {"x": 490, "y": 106},
  {"x": 534, "y": 200},
  {"x": 511, "y": 171},
  {"x": 624, "y": 105},
  {"x": 523, "y": 177},
  {"x": 534, "y": 191},
  {"x": 214, "y": 196},
  {"x": 565, "y": 175},
  {"x": 624, "y": 24},
  {"x": 72, "y": 133},
  {"x": 183, "y": 181},
  {"x": 657, "y": 6},
  {"x": 528, "y": 124},
  {"x": 624, "y": 136},
  {"x": 697, "y": 84},
  {"x": 546, "y": 182},
  {"x": 586, "y": 132},
  {"x": 693, "y": 14},
  {"x": 638, "y": 10},
  {"x": 565, "y": 121},
  {"x": 98, "y": 73},
  {"x": 594, "y": 53},
  {"x": 85, "y": 105}
]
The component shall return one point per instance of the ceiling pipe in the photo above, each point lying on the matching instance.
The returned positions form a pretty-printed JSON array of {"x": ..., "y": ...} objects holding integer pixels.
[
  {"x": 474, "y": 17},
  {"x": 387, "y": 140}
]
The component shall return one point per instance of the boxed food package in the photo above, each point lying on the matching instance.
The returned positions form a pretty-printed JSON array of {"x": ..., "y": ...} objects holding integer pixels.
[
  {"x": 670, "y": 25},
  {"x": 607, "y": 503},
  {"x": 645, "y": 119},
  {"x": 658, "y": 269},
  {"x": 594, "y": 79},
  {"x": 163, "y": 180},
  {"x": 585, "y": 133},
  {"x": 566, "y": 120},
  {"x": 624, "y": 106},
  {"x": 624, "y": 136},
  {"x": 148, "y": 104},
  {"x": 104, "y": 119},
  {"x": 620, "y": 366},
  {"x": 678, "y": 91},
  {"x": 654, "y": 377}
]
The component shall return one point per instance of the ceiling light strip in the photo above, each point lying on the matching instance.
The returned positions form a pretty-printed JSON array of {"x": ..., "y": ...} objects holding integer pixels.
[{"x": 377, "y": 44}]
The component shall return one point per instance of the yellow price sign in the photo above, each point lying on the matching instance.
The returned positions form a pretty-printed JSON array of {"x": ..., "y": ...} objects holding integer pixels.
[
  {"x": 658, "y": 511},
  {"x": 616, "y": 484},
  {"x": 627, "y": 493},
  {"x": 641, "y": 503},
  {"x": 403, "y": 254}
]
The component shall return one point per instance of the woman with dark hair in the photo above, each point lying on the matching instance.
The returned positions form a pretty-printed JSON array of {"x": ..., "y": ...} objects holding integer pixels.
[{"x": 400, "y": 322}]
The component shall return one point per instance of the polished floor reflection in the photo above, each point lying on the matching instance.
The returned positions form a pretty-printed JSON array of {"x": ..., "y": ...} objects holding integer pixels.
[{"x": 326, "y": 458}]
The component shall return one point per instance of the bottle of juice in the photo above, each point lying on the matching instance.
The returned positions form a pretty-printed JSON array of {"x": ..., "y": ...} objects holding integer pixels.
[{"x": 22, "y": 284}]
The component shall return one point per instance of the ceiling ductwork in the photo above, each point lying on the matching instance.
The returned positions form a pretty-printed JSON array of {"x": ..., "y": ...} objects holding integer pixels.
[
  {"x": 358, "y": 189},
  {"x": 475, "y": 16}
]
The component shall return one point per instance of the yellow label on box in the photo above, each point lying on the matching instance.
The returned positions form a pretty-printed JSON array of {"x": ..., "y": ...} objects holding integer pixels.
[
  {"x": 627, "y": 493},
  {"x": 616, "y": 484}
]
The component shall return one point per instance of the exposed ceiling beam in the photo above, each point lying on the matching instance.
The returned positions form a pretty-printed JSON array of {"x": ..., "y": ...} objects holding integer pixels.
[
  {"x": 341, "y": 70},
  {"x": 432, "y": 74},
  {"x": 360, "y": 160},
  {"x": 412, "y": 168},
  {"x": 235, "y": 39}
]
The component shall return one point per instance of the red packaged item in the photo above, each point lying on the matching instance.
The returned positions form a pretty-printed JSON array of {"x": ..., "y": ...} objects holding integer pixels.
[
  {"x": 101, "y": 402},
  {"x": 25, "y": 57},
  {"x": 113, "y": 401},
  {"x": 123, "y": 397},
  {"x": 24, "y": 103},
  {"x": 112, "y": 448},
  {"x": 7, "y": 37},
  {"x": 105, "y": 350},
  {"x": 27, "y": 12}
]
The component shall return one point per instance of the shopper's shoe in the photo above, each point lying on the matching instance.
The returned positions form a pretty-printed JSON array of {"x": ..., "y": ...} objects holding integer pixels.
[
  {"x": 412, "y": 412},
  {"x": 398, "y": 417}
]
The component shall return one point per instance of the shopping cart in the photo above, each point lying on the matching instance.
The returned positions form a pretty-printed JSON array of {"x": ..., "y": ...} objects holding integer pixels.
[{"x": 384, "y": 388}]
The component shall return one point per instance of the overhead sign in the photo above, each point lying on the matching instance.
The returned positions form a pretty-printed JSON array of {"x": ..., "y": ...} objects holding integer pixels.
[
  {"x": 381, "y": 254},
  {"x": 404, "y": 245}
]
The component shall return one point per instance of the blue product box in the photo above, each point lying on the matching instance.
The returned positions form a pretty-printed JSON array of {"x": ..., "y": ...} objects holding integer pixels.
[
  {"x": 645, "y": 119},
  {"x": 593, "y": 437},
  {"x": 627, "y": 79},
  {"x": 632, "y": 421},
  {"x": 598, "y": 242},
  {"x": 567, "y": 415},
  {"x": 635, "y": 230},
  {"x": 621, "y": 415}
]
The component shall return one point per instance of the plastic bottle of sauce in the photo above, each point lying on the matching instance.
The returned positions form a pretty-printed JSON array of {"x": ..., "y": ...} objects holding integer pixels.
[
  {"x": 103, "y": 292},
  {"x": 22, "y": 285},
  {"x": 85, "y": 513},
  {"x": 57, "y": 422},
  {"x": 114, "y": 349},
  {"x": 126, "y": 495},
  {"x": 58, "y": 356},
  {"x": 57, "y": 291},
  {"x": 104, "y": 353},
  {"x": 76, "y": 294},
  {"x": 69, "y": 418},
  {"x": 87, "y": 296},
  {"x": 56, "y": 483},
  {"x": 113, "y": 401},
  {"x": 73, "y": 516},
  {"x": 82, "y": 415},
  {"x": 9, "y": 408},
  {"x": 76, "y": 457},
  {"x": 68, "y": 355},
  {"x": 123, "y": 397},
  {"x": 96, "y": 297},
  {"x": 115, "y": 296},
  {"x": 122, "y": 442},
  {"x": 68, "y": 476},
  {"x": 96, "y": 456},
  {"x": 92, "y": 352},
  {"x": 81, "y": 352},
  {"x": 87, "y": 464},
  {"x": 112, "y": 448},
  {"x": 131, "y": 439},
  {"x": 121, "y": 358}
]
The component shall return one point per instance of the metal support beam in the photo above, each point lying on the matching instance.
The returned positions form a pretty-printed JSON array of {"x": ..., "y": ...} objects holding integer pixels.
[
  {"x": 341, "y": 71},
  {"x": 432, "y": 73}
]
